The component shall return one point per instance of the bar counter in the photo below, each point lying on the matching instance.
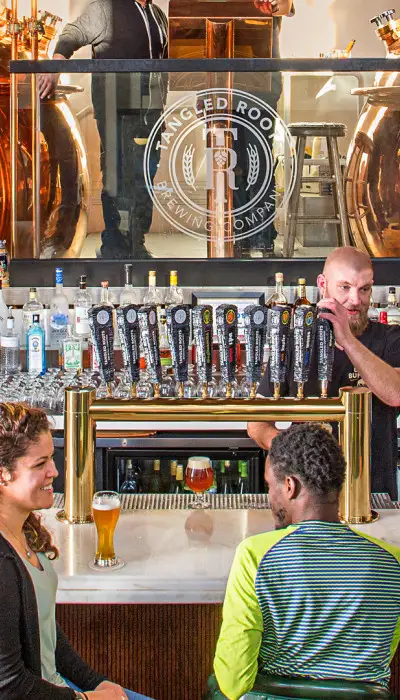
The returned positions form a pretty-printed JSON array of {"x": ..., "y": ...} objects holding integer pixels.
[
  {"x": 179, "y": 556},
  {"x": 153, "y": 624}
]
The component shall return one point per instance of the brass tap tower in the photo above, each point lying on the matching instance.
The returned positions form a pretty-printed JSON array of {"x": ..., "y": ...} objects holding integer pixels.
[{"x": 352, "y": 411}]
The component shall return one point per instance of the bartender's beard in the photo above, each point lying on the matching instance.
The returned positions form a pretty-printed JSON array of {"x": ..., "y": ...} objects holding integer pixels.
[{"x": 360, "y": 323}]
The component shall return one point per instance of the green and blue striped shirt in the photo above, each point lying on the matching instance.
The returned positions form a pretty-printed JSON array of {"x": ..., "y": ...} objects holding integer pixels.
[{"x": 315, "y": 600}]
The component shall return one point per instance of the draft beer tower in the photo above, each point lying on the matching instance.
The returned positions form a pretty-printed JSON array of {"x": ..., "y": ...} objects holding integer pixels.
[{"x": 220, "y": 29}]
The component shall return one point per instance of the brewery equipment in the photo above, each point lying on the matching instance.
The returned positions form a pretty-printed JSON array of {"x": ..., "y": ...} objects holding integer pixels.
[
  {"x": 44, "y": 193},
  {"x": 372, "y": 180}
]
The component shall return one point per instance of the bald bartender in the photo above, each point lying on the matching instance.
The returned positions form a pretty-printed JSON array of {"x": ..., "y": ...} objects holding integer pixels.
[{"x": 367, "y": 354}]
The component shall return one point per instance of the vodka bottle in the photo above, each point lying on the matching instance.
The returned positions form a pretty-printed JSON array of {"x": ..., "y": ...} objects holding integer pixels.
[
  {"x": 82, "y": 304},
  {"x": 128, "y": 295},
  {"x": 59, "y": 314},
  {"x": 153, "y": 295},
  {"x": 393, "y": 311},
  {"x": 9, "y": 348},
  {"x": 31, "y": 307},
  {"x": 36, "y": 349},
  {"x": 174, "y": 295}
]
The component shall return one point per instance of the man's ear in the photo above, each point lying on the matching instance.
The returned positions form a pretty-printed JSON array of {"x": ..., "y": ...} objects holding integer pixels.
[
  {"x": 293, "y": 487},
  {"x": 321, "y": 284},
  {"x": 5, "y": 476}
]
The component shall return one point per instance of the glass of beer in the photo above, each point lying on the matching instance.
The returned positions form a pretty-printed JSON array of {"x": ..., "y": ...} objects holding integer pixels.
[
  {"x": 199, "y": 478},
  {"x": 106, "y": 509}
]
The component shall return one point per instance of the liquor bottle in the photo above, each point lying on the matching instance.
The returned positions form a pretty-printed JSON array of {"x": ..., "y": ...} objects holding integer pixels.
[
  {"x": 177, "y": 486},
  {"x": 301, "y": 294},
  {"x": 393, "y": 312},
  {"x": 59, "y": 314},
  {"x": 303, "y": 340},
  {"x": 277, "y": 297},
  {"x": 172, "y": 473},
  {"x": 36, "y": 348},
  {"x": 101, "y": 324},
  {"x": 153, "y": 295},
  {"x": 173, "y": 295},
  {"x": 373, "y": 313},
  {"x": 72, "y": 352},
  {"x": 225, "y": 486},
  {"x": 130, "y": 485},
  {"x": 155, "y": 480},
  {"x": 243, "y": 484},
  {"x": 128, "y": 295},
  {"x": 9, "y": 348},
  {"x": 325, "y": 352},
  {"x": 255, "y": 331},
  {"x": 4, "y": 265},
  {"x": 165, "y": 350},
  {"x": 32, "y": 306},
  {"x": 82, "y": 304},
  {"x": 178, "y": 325}
]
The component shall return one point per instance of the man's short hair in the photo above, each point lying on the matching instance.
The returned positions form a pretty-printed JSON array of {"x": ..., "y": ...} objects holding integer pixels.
[{"x": 311, "y": 453}]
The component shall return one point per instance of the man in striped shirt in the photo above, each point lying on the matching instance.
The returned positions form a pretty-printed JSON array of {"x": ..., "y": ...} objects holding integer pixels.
[{"x": 313, "y": 598}]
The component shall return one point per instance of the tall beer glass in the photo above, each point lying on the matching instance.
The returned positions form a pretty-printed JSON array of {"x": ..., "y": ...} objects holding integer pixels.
[
  {"x": 106, "y": 509},
  {"x": 199, "y": 477}
]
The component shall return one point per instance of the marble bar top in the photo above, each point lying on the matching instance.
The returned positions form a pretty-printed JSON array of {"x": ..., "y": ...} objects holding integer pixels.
[{"x": 181, "y": 556}]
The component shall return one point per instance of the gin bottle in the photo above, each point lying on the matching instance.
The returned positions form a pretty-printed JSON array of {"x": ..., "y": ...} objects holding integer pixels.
[{"x": 36, "y": 350}]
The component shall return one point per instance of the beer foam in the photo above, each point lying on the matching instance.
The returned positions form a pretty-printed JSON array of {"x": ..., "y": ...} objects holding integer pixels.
[
  {"x": 199, "y": 463},
  {"x": 110, "y": 504}
]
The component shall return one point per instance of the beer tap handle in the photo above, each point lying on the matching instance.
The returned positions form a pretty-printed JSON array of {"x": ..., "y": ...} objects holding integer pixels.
[
  {"x": 279, "y": 327},
  {"x": 227, "y": 332},
  {"x": 383, "y": 19},
  {"x": 325, "y": 352},
  {"x": 202, "y": 319},
  {"x": 178, "y": 328},
  {"x": 255, "y": 331},
  {"x": 151, "y": 346},
  {"x": 304, "y": 327}
]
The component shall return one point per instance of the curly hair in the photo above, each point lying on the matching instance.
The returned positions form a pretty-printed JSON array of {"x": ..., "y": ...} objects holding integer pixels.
[
  {"x": 20, "y": 426},
  {"x": 310, "y": 452}
]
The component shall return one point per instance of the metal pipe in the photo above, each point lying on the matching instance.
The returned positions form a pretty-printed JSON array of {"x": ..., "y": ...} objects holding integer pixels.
[
  {"x": 14, "y": 30},
  {"x": 217, "y": 410},
  {"x": 355, "y": 438},
  {"x": 35, "y": 99},
  {"x": 79, "y": 453}
]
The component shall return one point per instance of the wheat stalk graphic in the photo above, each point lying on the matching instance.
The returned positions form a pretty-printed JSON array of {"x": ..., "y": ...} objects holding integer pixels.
[
  {"x": 254, "y": 166},
  {"x": 187, "y": 166}
]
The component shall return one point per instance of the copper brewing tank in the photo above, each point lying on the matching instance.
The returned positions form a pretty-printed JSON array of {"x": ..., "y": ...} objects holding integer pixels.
[
  {"x": 372, "y": 179},
  {"x": 64, "y": 177}
]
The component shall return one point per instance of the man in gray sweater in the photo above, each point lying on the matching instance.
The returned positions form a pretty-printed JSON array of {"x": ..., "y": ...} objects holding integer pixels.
[{"x": 126, "y": 107}]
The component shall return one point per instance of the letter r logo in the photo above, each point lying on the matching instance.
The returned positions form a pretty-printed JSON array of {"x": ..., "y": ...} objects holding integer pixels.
[{"x": 220, "y": 163}]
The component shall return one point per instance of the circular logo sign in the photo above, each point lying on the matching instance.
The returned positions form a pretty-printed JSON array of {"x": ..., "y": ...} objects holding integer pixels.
[
  {"x": 180, "y": 316},
  {"x": 258, "y": 317},
  {"x": 285, "y": 318},
  {"x": 102, "y": 317},
  {"x": 152, "y": 317},
  {"x": 230, "y": 316},
  {"x": 309, "y": 318},
  {"x": 207, "y": 316},
  {"x": 131, "y": 316},
  {"x": 218, "y": 164}
]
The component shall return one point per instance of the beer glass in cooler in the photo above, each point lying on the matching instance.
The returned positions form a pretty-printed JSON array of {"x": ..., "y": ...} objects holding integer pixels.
[
  {"x": 106, "y": 509},
  {"x": 199, "y": 478}
]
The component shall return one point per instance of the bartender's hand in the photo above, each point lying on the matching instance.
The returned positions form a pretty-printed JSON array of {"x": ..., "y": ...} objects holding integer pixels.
[
  {"x": 262, "y": 433},
  {"x": 277, "y": 7},
  {"x": 339, "y": 317},
  {"x": 266, "y": 6},
  {"x": 107, "y": 691}
]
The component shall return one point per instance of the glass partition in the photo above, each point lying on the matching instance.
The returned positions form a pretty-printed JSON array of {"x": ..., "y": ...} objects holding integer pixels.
[{"x": 199, "y": 164}]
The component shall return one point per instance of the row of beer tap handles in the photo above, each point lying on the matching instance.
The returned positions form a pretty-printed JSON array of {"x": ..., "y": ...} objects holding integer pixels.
[{"x": 278, "y": 326}]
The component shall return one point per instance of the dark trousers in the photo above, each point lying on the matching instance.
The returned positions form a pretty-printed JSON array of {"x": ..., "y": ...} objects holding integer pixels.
[{"x": 131, "y": 193}]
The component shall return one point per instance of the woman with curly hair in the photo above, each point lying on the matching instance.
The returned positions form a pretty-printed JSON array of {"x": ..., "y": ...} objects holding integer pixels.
[{"x": 36, "y": 660}]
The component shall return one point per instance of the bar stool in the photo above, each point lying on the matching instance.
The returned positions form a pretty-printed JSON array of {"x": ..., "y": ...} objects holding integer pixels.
[{"x": 331, "y": 132}]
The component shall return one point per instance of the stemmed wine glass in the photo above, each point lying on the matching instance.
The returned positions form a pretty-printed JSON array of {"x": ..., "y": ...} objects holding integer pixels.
[{"x": 199, "y": 478}]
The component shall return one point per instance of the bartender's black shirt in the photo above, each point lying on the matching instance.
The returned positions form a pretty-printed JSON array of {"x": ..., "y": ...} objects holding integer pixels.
[{"x": 383, "y": 341}]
